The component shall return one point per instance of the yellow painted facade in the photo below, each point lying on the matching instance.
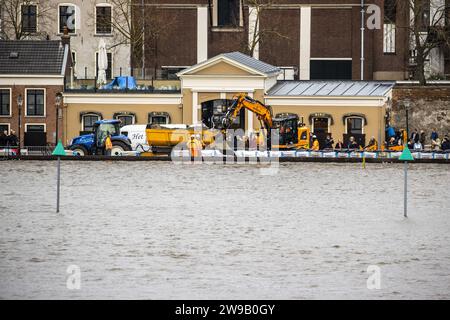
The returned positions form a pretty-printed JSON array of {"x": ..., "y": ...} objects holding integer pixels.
[
  {"x": 223, "y": 68},
  {"x": 374, "y": 117},
  {"x": 223, "y": 80},
  {"x": 73, "y": 124}
]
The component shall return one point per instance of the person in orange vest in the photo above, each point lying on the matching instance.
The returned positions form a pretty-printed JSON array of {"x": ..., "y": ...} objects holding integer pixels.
[
  {"x": 108, "y": 144},
  {"x": 315, "y": 146},
  {"x": 372, "y": 146},
  {"x": 194, "y": 146}
]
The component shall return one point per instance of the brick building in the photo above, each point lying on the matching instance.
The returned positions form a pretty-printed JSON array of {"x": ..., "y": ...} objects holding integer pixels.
[
  {"x": 310, "y": 39},
  {"x": 32, "y": 73}
]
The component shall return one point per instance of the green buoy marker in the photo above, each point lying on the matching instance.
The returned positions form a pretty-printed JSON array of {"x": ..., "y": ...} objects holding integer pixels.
[
  {"x": 59, "y": 151},
  {"x": 406, "y": 156}
]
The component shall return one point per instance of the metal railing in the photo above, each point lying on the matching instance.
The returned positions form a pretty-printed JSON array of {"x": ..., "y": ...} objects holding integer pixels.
[
  {"x": 40, "y": 150},
  {"x": 10, "y": 151},
  {"x": 156, "y": 87},
  {"x": 351, "y": 153}
]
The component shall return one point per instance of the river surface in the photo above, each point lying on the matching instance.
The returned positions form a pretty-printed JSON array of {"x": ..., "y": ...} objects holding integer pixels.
[{"x": 154, "y": 230}]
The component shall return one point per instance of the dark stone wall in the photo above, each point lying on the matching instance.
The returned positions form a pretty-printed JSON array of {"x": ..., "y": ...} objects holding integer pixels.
[{"x": 430, "y": 108}]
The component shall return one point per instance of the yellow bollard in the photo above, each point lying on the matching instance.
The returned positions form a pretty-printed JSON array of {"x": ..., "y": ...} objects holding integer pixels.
[{"x": 364, "y": 161}]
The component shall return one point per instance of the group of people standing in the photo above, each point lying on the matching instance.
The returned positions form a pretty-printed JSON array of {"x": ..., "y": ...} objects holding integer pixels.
[
  {"x": 417, "y": 141},
  {"x": 352, "y": 144},
  {"x": 8, "y": 140}
]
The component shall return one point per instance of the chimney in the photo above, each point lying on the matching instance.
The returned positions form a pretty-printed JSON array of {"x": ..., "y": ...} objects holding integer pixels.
[{"x": 65, "y": 38}]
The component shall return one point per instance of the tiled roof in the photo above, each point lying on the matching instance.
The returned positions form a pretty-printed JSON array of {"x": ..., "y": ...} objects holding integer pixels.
[
  {"x": 331, "y": 88},
  {"x": 31, "y": 57},
  {"x": 250, "y": 62}
]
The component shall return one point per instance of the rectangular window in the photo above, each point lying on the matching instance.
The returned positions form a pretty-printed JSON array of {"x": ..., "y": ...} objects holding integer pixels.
[
  {"x": 125, "y": 120},
  {"x": 354, "y": 126},
  {"x": 390, "y": 11},
  {"x": 447, "y": 13},
  {"x": 103, "y": 20},
  {"x": 74, "y": 58},
  {"x": 67, "y": 18},
  {"x": 389, "y": 38},
  {"x": 5, "y": 99},
  {"x": 35, "y": 128},
  {"x": 424, "y": 15},
  {"x": 389, "y": 29},
  {"x": 4, "y": 127},
  {"x": 109, "y": 70},
  {"x": 35, "y": 102},
  {"x": 89, "y": 121},
  {"x": 158, "y": 120},
  {"x": 331, "y": 69},
  {"x": 228, "y": 13},
  {"x": 35, "y": 134},
  {"x": 29, "y": 18}
]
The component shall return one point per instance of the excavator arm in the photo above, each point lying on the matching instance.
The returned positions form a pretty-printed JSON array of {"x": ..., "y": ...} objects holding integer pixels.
[{"x": 263, "y": 112}]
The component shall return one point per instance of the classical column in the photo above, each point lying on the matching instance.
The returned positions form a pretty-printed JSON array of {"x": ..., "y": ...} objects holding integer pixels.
[
  {"x": 194, "y": 107},
  {"x": 305, "y": 43},
  {"x": 202, "y": 34}
]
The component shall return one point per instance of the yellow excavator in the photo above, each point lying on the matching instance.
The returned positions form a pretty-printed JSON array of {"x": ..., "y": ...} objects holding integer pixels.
[{"x": 292, "y": 134}]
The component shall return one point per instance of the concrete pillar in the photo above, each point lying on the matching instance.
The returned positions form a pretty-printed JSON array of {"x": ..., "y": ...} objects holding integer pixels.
[
  {"x": 194, "y": 107},
  {"x": 202, "y": 34},
  {"x": 305, "y": 43},
  {"x": 253, "y": 29}
]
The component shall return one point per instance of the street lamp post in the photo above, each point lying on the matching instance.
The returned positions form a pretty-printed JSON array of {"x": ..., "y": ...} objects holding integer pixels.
[
  {"x": 407, "y": 105},
  {"x": 58, "y": 100},
  {"x": 19, "y": 124}
]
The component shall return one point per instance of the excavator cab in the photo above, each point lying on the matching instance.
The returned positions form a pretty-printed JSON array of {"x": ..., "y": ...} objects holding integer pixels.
[
  {"x": 293, "y": 134},
  {"x": 287, "y": 129}
]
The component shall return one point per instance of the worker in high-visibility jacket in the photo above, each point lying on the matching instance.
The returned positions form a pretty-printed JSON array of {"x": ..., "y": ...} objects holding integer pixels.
[
  {"x": 108, "y": 144},
  {"x": 195, "y": 146},
  {"x": 315, "y": 146},
  {"x": 372, "y": 146}
]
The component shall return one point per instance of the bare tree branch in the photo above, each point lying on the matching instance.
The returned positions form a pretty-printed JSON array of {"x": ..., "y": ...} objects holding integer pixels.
[
  {"x": 258, "y": 34},
  {"x": 12, "y": 27},
  {"x": 427, "y": 29}
]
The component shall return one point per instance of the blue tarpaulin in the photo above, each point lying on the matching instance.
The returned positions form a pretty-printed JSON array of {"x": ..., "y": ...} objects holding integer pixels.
[{"x": 121, "y": 83}]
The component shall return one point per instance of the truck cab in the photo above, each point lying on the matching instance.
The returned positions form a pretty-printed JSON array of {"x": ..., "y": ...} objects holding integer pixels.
[{"x": 94, "y": 143}]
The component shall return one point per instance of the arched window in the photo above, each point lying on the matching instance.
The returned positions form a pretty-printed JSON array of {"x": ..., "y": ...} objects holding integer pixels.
[
  {"x": 126, "y": 118},
  {"x": 88, "y": 120},
  {"x": 354, "y": 123},
  {"x": 158, "y": 118}
]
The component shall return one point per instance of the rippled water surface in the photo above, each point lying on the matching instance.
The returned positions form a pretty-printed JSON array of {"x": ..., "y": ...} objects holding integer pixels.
[{"x": 151, "y": 230}]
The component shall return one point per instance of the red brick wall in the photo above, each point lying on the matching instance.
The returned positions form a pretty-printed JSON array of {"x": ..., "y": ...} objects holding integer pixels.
[
  {"x": 335, "y": 33},
  {"x": 331, "y": 33},
  {"x": 177, "y": 44},
  {"x": 49, "y": 119},
  {"x": 281, "y": 44}
]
